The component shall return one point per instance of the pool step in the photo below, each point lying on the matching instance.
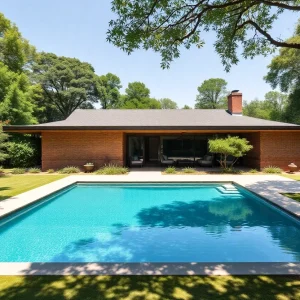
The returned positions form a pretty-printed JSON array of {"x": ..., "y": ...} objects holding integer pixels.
[{"x": 228, "y": 189}]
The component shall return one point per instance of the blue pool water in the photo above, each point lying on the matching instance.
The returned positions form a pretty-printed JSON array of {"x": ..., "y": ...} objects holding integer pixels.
[{"x": 150, "y": 223}]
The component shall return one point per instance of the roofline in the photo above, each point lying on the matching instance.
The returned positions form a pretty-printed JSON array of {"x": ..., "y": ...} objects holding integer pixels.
[{"x": 40, "y": 128}]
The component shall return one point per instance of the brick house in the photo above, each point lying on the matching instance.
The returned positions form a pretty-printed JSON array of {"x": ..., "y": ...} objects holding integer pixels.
[{"x": 114, "y": 136}]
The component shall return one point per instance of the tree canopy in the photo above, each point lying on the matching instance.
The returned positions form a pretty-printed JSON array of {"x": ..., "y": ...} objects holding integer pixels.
[
  {"x": 212, "y": 94},
  {"x": 108, "y": 87},
  {"x": 167, "y": 103},
  {"x": 67, "y": 83},
  {"x": 15, "y": 51},
  {"x": 166, "y": 26}
]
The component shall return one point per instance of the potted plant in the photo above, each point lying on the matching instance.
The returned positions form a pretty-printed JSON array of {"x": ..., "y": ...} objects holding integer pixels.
[
  {"x": 89, "y": 167},
  {"x": 292, "y": 167}
]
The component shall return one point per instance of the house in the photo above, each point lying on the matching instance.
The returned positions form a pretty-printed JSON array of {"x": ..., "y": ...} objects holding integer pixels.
[{"x": 114, "y": 136}]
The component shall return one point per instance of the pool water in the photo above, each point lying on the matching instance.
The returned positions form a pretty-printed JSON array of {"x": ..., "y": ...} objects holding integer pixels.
[{"x": 150, "y": 223}]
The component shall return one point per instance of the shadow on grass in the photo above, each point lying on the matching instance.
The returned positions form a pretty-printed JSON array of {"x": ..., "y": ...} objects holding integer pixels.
[
  {"x": 149, "y": 287},
  {"x": 4, "y": 189}
]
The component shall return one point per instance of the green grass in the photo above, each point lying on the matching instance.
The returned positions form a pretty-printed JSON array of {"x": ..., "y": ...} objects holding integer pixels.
[
  {"x": 16, "y": 184},
  {"x": 149, "y": 287},
  {"x": 295, "y": 196},
  {"x": 292, "y": 176}
]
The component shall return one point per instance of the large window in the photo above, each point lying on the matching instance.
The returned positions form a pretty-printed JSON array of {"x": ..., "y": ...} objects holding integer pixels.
[{"x": 136, "y": 146}]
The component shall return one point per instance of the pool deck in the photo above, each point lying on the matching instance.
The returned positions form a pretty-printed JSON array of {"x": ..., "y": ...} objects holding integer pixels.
[{"x": 269, "y": 187}]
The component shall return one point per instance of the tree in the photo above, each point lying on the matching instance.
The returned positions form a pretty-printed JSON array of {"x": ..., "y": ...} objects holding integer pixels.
[
  {"x": 166, "y": 26},
  {"x": 284, "y": 70},
  {"x": 212, "y": 94},
  {"x": 3, "y": 138},
  {"x": 67, "y": 83},
  {"x": 15, "y": 51},
  {"x": 108, "y": 87},
  {"x": 17, "y": 97},
  {"x": 229, "y": 146},
  {"x": 167, "y": 103},
  {"x": 186, "y": 107},
  {"x": 138, "y": 97}
]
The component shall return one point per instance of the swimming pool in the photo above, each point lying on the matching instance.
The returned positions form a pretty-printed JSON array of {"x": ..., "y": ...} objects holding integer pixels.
[{"x": 150, "y": 223}]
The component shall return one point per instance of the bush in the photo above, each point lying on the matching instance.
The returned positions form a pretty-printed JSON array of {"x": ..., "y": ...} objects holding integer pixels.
[
  {"x": 21, "y": 154},
  {"x": 231, "y": 171},
  {"x": 1, "y": 169},
  {"x": 188, "y": 170},
  {"x": 272, "y": 170},
  {"x": 18, "y": 171},
  {"x": 69, "y": 170},
  {"x": 170, "y": 170},
  {"x": 50, "y": 171},
  {"x": 112, "y": 170},
  {"x": 34, "y": 170},
  {"x": 253, "y": 171}
]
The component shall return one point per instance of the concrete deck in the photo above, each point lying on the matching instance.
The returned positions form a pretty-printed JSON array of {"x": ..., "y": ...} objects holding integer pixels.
[{"x": 269, "y": 187}]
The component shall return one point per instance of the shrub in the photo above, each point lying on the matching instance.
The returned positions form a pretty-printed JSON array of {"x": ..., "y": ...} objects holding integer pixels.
[
  {"x": 170, "y": 170},
  {"x": 188, "y": 170},
  {"x": 253, "y": 171},
  {"x": 18, "y": 171},
  {"x": 272, "y": 170},
  {"x": 34, "y": 170},
  {"x": 112, "y": 170},
  {"x": 231, "y": 171},
  {"x": 1, "y": 169},
  {"x": 229, "y": 146},
  {"x": 21, "y": 154},
  {"x": 69, "y": 170},
  {"x": 50, "y": 171}
]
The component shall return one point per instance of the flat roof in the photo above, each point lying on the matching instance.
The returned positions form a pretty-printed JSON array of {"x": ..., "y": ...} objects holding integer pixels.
[{"x": 155, "y": 119}]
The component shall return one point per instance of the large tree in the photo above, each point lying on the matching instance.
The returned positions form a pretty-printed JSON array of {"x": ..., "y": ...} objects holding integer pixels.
[
  {"x": 166, "y": 26},
  {"x": 15, "y": 51},
  {"x": 167, "y": 103},
  {"x": 3, "y": 138},
  {"x": 212, "y": 94},
  {"x": 109, "y": 90},
  {"x": 67, "y": 83},
  {"x": 18, "y": 98},
  {"x": 137, "y": 96}
]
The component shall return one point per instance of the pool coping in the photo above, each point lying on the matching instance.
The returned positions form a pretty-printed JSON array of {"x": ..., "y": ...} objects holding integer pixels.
[{"x": 269, "y": 187}]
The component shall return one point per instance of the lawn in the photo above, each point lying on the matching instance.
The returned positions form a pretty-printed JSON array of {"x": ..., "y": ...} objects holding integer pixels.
[
  {"x": 11, "y": 185},
  {"x": 292, "y": 176},
  {"x": 149, "y": 287},
  {"x": 295, "y": 196}
]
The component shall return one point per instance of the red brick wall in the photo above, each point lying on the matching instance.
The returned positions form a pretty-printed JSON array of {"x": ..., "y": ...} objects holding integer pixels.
[
  {"x": 61, "y": 149},
  {"x": 280, "y": 149}
]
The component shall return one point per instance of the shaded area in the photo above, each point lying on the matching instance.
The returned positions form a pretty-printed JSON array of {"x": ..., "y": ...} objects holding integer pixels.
[
  {"x": 149, "y": 287},
  {"x": 294, "y": 196}
]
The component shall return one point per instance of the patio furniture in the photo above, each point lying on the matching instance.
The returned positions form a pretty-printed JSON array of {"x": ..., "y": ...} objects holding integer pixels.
[
  {"x": 165, "y": 161},
  {"x": 135, "y": 161},
  {"x": 206, "y": 161}
]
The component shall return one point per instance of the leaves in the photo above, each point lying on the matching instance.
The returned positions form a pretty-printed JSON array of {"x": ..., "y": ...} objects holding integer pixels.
[
  {"x": 167, "y": 26},
  {"x": 212, "y": 94}
]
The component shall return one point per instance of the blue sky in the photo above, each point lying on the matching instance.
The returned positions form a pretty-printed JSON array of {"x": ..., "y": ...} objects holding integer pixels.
[{"x": 77, "y": 28}]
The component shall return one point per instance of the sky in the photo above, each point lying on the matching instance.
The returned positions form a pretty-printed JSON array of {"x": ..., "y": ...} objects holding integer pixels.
[{"x": 77, "y": 28}]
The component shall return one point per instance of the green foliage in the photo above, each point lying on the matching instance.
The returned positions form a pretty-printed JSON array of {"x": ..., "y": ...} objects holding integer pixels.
[
  {"x": 229, "y": 146},
  {"x": 167, "y": 103},
  {"x": 1, "y": 170},
  {"x": 272, "y": 170},
  {"x": 3, "y": 144},
  {"x": 242, "y": 28},
  {"x": 108, "y": 87},
  {"x": 69, "y": 170},
  {"x": 188, "y": 170},
  {"x": 50, "y": 171},
  {"x": 272, "y": 108},
  {"x": 17, "y": 97},
  {"x": 186, "y": 107},
  {"x": 67, "y": 83},
  {"x": 15, "y": 52},
  {"x": 21, "y": 154},
  {"x": 34, "y": 170},
  {"x": 212, "y": 94},
  {"x": 253, "y": 171},
  {"x": 18, "y": 171},
  {"x": 138, "y": 97},
  {"x": 112, "y": 170},
  {"x": 170, "y": 170},
  {"x": 230, "y": 170}
]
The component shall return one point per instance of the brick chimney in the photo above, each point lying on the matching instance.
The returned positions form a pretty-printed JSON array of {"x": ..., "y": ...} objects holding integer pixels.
[{"x": 235, "y": 103}]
